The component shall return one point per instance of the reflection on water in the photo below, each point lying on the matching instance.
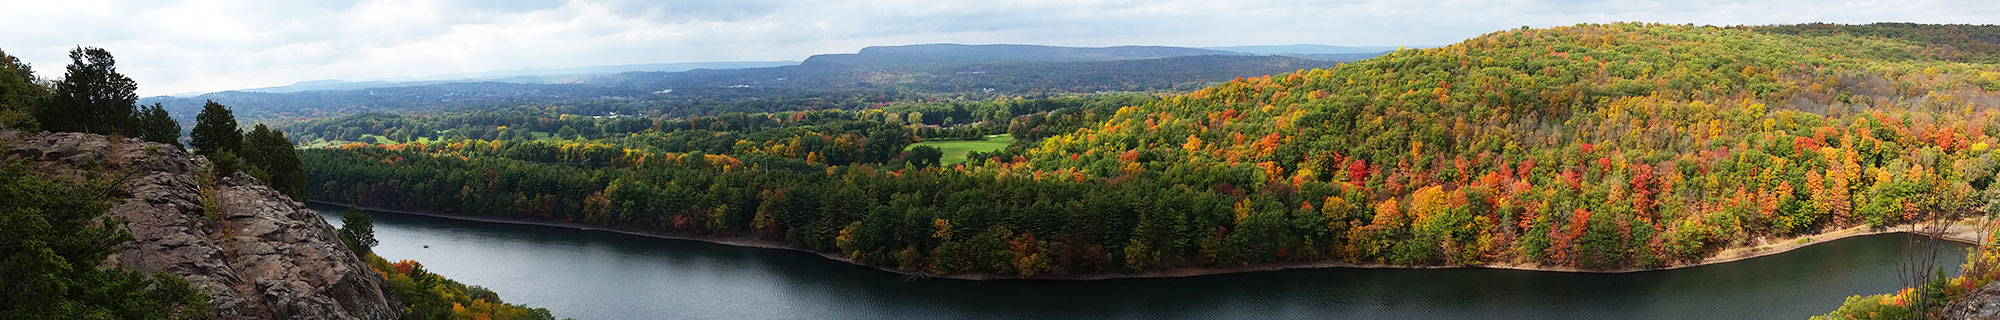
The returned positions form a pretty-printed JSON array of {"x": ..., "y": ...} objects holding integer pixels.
[{"x": 599, "y": 275}]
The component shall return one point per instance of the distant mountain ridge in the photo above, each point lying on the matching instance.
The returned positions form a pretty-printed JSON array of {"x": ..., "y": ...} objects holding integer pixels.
[
  {"x": 888, "y": 71},
  {"x": 607, "y": 69},
  {"x": 947, "y": 53},
  {"x": 524, "y": 75},
  {"x": 901, "y": 56}
]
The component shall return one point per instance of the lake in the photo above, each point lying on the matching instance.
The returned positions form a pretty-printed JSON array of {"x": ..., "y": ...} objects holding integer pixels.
[{"x": 602, "y": 275}]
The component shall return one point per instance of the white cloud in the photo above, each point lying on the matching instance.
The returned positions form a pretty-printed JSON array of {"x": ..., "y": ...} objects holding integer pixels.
[{"x": 210, "y": 45}]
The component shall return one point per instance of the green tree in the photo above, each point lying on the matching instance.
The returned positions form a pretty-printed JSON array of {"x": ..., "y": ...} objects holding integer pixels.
[
  {"x": 20, "y": 94},
  {"x": 154, "y": 125},
  {"x": 224, "y": 163},
  {"x": 215, "y": 130},
  {"x": 272, "y": 159},
  {"x": 925, "y": 156},
  {"x": 357, "y": 231},
  {"x": 92, "y": 96},
  {"x": 57, "y": 236},
  {"x": 567, "y": 132}
]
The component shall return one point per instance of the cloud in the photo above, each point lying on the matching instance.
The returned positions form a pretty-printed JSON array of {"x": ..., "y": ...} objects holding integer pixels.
[{"x": 211, "y": 45}]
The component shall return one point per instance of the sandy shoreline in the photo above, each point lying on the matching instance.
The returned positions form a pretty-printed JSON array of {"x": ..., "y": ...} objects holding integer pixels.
[{"x": 1969, "y": 231}]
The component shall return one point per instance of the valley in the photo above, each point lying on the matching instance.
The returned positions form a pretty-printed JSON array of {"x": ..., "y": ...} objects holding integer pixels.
[{"x": 1594, "y": 170}]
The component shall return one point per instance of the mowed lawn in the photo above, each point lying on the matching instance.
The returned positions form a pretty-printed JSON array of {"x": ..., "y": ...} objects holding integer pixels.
[{"x": 955, "y": 150}]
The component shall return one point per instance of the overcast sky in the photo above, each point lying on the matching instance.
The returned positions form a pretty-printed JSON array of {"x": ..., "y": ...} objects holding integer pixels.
[{"x": 188, "y": 46}]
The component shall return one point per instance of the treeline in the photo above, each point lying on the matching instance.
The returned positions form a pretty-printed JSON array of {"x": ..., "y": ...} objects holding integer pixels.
[
  {"x": 91, "y": 97},
  {"x": 586, "y": 122},
  {"x": 1956, "y": 42},
  {"x": 1593, "y": 146},
  {"x": 985, "y": 220},
  {"x": 835, "y": 137}
]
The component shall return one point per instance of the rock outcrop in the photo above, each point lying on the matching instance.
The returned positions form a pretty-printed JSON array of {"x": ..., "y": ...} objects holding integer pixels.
[
  {"x": 1982, "y": 304},
  {"x": 261, "y": 256}
]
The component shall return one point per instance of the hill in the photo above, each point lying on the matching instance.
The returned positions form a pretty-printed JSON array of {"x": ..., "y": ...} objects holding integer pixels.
[
  {"x": 1614, "y": 147},
  {"x": 1594, "y": 145}
]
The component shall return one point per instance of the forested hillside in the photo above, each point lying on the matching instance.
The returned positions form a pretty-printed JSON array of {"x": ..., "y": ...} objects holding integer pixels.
[
  {"x": 1615, "y": 146},
  {"x": 1595, "y": 146}
]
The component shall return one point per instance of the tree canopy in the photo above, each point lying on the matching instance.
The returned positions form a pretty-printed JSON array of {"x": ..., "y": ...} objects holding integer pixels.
[
  {"x": 272, "y": 159},
  {"x": 215, "y": 130},
  {"x": 154, "y": 125},
  {"x": 92, "y": 96},
  {"x": 20, "y": 94}
]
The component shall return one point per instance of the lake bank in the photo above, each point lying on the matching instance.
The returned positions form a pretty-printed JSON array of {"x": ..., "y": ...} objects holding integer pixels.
[{"x": 1968, "y": 231}]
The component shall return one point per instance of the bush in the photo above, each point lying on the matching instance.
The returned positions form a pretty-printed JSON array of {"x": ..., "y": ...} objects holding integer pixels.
[{"x": 224, "y": 163}]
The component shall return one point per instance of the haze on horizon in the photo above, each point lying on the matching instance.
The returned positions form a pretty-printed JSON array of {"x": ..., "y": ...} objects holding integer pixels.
[{"x": 174, "y": 47}]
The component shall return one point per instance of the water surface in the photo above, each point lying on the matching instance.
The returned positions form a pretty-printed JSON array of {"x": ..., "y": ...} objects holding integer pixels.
[{"x": 601, "y": 275}]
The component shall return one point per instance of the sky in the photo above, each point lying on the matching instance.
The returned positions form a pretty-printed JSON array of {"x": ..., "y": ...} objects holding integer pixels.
[{"x": 173, "y": 47}]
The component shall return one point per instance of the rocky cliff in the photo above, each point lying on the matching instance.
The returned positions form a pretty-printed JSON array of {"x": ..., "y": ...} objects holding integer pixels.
[
  {"x": 259, "y": 256},
  {"x": 1982, "y": 304}
]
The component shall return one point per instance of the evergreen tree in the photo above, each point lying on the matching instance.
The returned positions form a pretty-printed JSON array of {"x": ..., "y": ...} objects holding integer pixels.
[
  {"x": 273, "y": 160},
  {"x": 154, "y": 125},
  {"x": 92, "y": 96},
  {"x": 57, "y": 236},
  {"x": 357, "y": 231},
  {"x": 255, "y": 160},
  {"x": 215, "y": 130}
]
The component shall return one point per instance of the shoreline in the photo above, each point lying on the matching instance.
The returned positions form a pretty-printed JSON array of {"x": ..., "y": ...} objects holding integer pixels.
[{"x": 1968, "y": 231}]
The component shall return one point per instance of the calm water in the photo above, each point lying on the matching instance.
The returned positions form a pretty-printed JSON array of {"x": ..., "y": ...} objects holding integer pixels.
[{"x": 598, "y": 275}]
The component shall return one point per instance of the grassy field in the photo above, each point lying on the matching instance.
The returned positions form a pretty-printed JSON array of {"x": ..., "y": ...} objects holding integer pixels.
[{"x": 954, "y": 151}]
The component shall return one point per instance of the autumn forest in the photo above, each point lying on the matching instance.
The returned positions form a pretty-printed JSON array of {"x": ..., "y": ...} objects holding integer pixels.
[{"x": 1595, "y": 147}]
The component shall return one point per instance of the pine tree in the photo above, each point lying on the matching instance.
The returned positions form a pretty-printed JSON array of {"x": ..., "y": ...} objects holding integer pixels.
[
  {"x": 269, "y": 153},
  {"x": 215, "y": 130},
  {"x": 154, "y": 125},
  {"x": 92, "y": 96}
]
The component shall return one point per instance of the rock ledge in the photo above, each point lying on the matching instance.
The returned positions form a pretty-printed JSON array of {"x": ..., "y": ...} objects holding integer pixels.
[{"x": 263, "y": 256}]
